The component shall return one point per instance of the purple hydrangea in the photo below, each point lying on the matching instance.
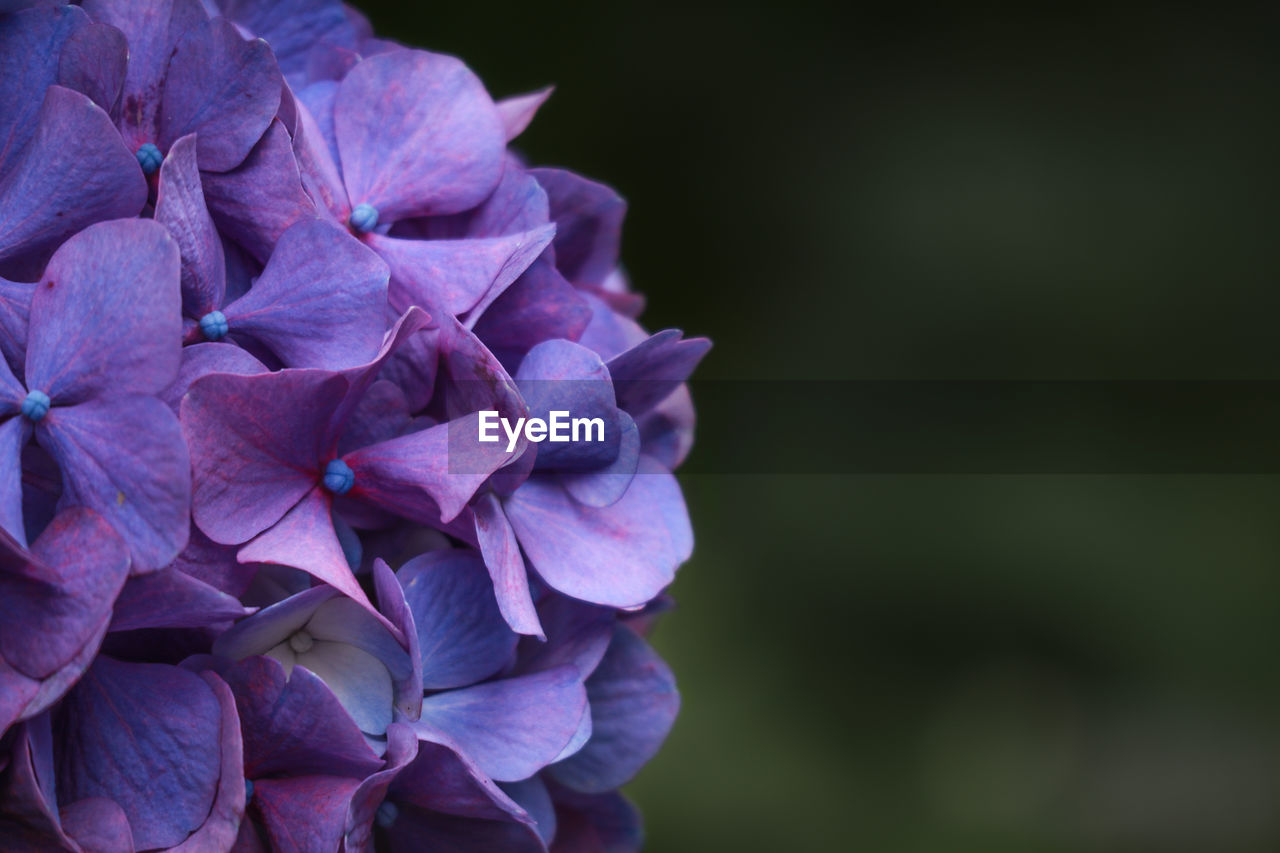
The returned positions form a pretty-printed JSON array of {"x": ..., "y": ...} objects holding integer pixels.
[{"x": 263, "y": 584}]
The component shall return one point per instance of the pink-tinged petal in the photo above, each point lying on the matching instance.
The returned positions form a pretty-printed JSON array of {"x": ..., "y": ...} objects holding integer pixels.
[
  {"x": 304, "y": 539},
  {"x": 94, "y": 62},
  {"x": 30, "y": 43},
  {"x": 588, "y": 219},
  {"x": 294, "y": 725},
  {"x": 426, "y": 476},
  {"x": 457, "y": 275},
  {"x": 149, "y": 736},
  {"x": 15, "y": 314},
  {"x": 417, "y": 134},
  {"x": 304, "y": 813},
  {"x": 222, "y": 825},
  {"x": 506, "y": 567},
  {"x": 621, "y": 555},
  {"x": 74, "y": 171},
  {"x": 510, "y": 728},
  {"x": 180, "y": 208},
  {"x": 256, "y": 446},
  {"x": 461, "y": 634},
  {"x": 171, "y": 599},
  {"x": 98, "y": 825},
  {"x": 223, "y": 89},
  {"x": 254, "y": 203},
  {"x": 201, "y": 360},
  {"x": 518, "y": 111},
  {"x": 14, "y": 434},
  {"x": 320, "y": 302},
  {"x": 54, "y": 601},
  {"x": 402, "y": 747},
  {"x": 105, "y": 314},
  {"x": 153, "y": 29},
  {"x": 649, "y": 372},
  {"x": 124, "y": 458},
  {"x": 633, "y": 705}
]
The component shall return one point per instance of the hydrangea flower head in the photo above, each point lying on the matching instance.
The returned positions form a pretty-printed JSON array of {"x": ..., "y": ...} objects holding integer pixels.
[{"x": 262, "y": 276}]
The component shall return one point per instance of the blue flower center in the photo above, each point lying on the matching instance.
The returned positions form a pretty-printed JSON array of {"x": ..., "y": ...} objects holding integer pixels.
[
  {"x": 248, "y": 790},
  {"x": 338, "y": 477},
  {"x": 214, "y": 326},
  {"x": 364, "y": 218},
  {"x": 386, "y": 814},
  {"x": 149, "y": 157},
  {"x": 35, "y": 406}
]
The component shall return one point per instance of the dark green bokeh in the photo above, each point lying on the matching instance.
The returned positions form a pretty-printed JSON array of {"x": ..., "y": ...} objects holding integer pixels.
[{"x": 916, "y": 663}]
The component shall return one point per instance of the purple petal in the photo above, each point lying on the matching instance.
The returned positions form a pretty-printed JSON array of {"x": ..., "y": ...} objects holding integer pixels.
[
  {"x": 201, "y": 360},
  {"x": 633, "y": 705},
  {"x": 382, "y": 414},
  {"x": 256, "y": 446},
  {"x": 588, "y": 219},
  {"x": 440, "y": 779},
  {"x": 54, "y": 602},
  {"x": 417, "y": 135},
  {"x": 540, "y": 305},
  {"x": 422, "y": 830},
  {"x": 214, "y": 564},
  {"x": 180, "y": 208},
  {"x": 153, "y": 29},
  {"x": 304, "y": 813},
  {"x": 577, "y": 634},
  {"x": 517, "y": 111},
  {"x": 293, "y": 27},
  {"x": 517, "y": 204},
  {"x": 14, "y": 434},
  {"x": 293, "y": 724},
  {"x": 566, "y": 377},
  {"x": 223, "y": 89},
  {"x": 305, "y": 539},
  {"x": 30, "y": 43},
  {"x": 320, "y": 302},
  {"x": 402, "y": 746},
  {"x": 606, "y": 486},
  {"x": 272, "y": 625},
  {"x": 254, "y": 203},
  {"x": 148, "y": 736},
  {"x": 511, "y": 728},
  {"x": 595, "y": 823},
  {"x": 223, "y": 823},
  {"x": 98, "y": 825},
  {"x": 646, "y": 374},
  {"x": 74, "y": 171},
  {"x": 621, "y": 555},
  {"x": 391, "y": 600},
  {"x": 533, "y": 797},
  {"x": 426, "y": 476},
  {"x": 15, "y": 313},
  {"x": 94, "y": 62},
  {"x": 317, "y": 150},
  {"x": 105, "y": 316},
  {"x": 171, "y": 599},
  {"x": 506, "y": 566},
  {"x": 124, "y": 457},
  {"x": 457, "y": 275},
  {"x": 461, "y": 635}
]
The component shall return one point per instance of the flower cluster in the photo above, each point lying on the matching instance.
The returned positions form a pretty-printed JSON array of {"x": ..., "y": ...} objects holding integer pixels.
[{"x": 261, "y": 586}]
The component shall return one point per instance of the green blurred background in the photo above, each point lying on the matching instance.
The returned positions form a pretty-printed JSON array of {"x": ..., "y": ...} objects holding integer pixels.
[{"x": 943, "y": 663}]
